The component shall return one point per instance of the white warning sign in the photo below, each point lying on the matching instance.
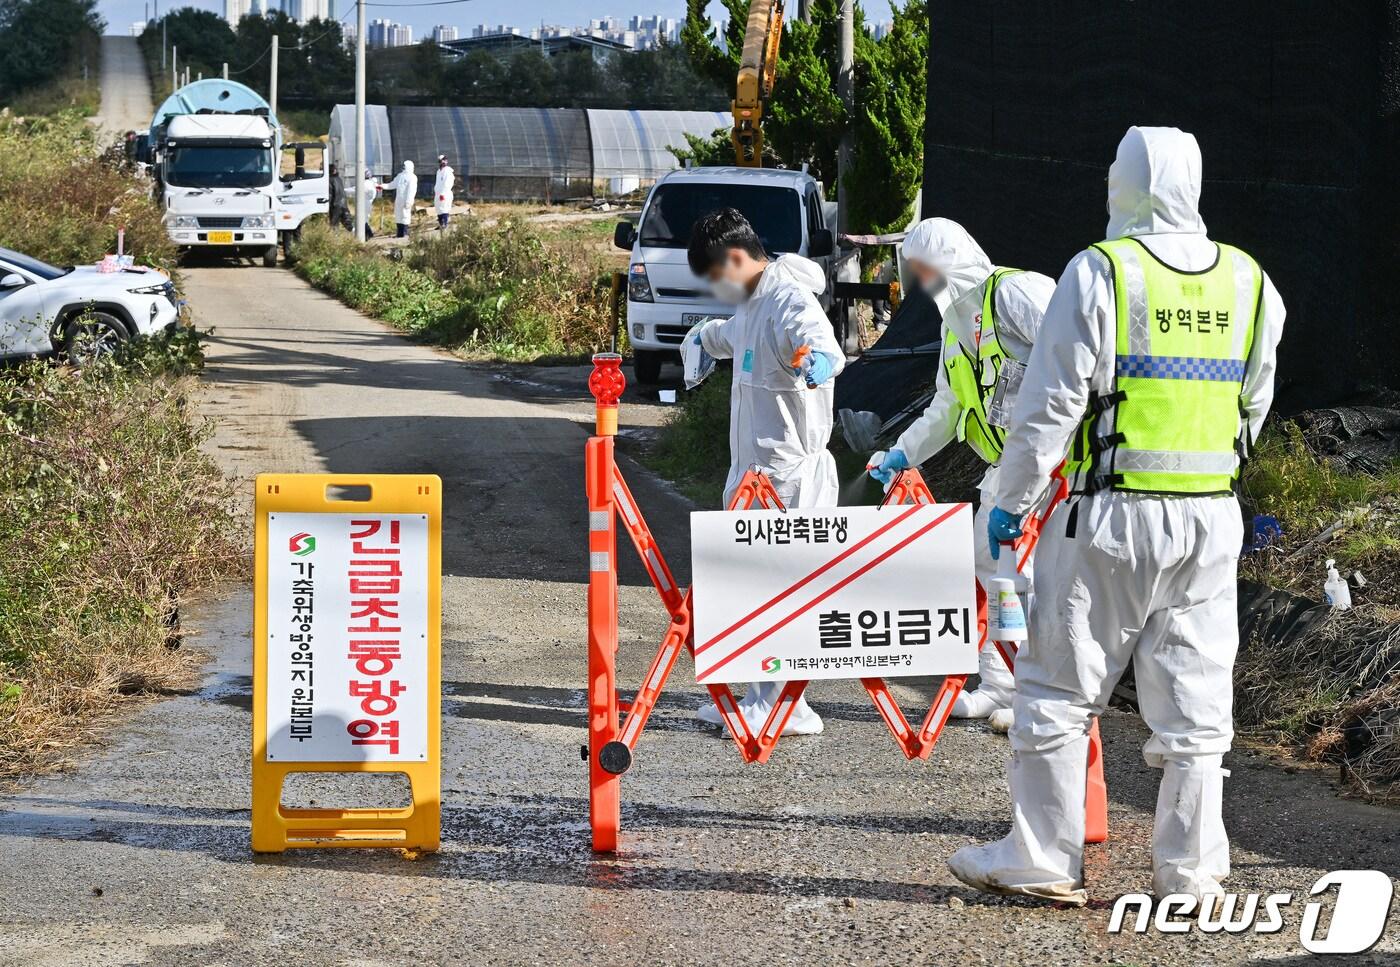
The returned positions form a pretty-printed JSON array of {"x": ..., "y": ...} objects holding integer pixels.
[
  {"x": 347, "y": 637},
  {"x": 845, "y": 592}
]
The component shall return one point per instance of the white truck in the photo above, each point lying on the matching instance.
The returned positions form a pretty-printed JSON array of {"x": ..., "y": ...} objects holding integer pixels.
[
  {"x": 220, "y": 174},
  {"x": 664, "y": 298}
]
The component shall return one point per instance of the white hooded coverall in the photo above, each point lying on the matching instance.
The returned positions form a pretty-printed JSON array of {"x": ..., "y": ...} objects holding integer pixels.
[
  {"x": 442, "y": 190},
  {"x": 1141, "y": 577},
  {"x": 405, "y": 188},
  {"x": 776, "y": 422},
  {"x": 1020, "y": 301}
]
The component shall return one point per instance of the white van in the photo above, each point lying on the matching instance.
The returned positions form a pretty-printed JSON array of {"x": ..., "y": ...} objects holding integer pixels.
[{"x": 664, "y": 298}]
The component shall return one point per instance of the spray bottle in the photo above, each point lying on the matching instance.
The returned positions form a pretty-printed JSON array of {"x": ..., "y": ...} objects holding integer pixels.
[
  {"x": 802, "y": 362},
  {"x": 877, "y": 458},
  {"x": 1006, "y": 615},
  {"x": 1337, "y": 592}
]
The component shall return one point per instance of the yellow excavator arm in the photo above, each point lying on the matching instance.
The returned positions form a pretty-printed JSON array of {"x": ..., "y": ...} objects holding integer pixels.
[{"x": 757, "y": 66}]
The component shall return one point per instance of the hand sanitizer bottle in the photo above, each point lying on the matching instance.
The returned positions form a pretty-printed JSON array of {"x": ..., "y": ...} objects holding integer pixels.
[{"x": 1337, "y": 592}]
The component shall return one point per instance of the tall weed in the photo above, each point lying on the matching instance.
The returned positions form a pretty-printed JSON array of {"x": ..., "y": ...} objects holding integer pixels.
[{"x": 109, "y": 515}]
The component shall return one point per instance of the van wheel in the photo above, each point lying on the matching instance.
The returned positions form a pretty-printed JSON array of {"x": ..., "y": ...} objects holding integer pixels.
[
  {"x": 270, "y": 257},
  {"x": 646, "y": 366}
]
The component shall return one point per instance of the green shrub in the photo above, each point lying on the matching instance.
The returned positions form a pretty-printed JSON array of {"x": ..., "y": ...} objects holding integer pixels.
[{"x": 498, "y": 290}]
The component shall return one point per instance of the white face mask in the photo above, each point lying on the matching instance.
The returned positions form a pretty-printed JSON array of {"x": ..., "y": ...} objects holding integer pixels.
[{"x": 728, "y": 291}]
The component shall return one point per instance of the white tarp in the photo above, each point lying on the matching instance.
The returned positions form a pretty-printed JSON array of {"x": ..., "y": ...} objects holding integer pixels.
[
  {"x": 638, "y": 143},
  {"x": 842, "y": 592},
  {"x": 347, "y": 642},
  {"x": 379, "y": 145}
]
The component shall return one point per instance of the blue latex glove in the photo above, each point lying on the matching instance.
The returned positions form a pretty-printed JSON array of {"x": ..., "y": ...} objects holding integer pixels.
[
  {"x": 1001, "y": 526},
  {"x": 820, "y": 370},
  {"x": 893, "y": 463}
]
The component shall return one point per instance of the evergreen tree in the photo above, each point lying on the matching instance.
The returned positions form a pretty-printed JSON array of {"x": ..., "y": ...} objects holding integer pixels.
[{"x": 805, "y": 117}]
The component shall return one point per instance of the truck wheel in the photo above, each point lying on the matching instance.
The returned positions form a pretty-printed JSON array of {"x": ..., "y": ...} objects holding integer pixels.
[
  {"x": 646, "y": 365},
  {"x": 270, "y": 257},
  {"x": 847, "y": 330}
]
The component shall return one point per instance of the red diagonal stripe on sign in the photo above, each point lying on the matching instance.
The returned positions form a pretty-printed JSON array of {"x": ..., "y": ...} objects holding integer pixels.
[
  {"x": 863, "y": 569},
  {"x": 810, "y": 578}
]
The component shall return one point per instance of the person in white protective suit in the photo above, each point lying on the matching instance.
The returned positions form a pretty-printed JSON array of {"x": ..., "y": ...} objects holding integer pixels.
[
  {"x": 1154, "y": 370},
  {"x": 990, "y": 319},
  {"x": 442, "y": 191},
  {"x": 780, "y": 416},
  {"x": 405, "y": 188},
  {"x": 369, "y": 191}
]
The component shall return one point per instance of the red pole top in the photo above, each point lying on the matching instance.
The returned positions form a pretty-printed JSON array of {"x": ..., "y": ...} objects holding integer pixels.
[{"x": 606, "y": 383}]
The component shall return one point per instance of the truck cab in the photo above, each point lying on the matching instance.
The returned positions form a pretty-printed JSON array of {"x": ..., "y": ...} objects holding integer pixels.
[
  {"x": 665, "y": 299},
  {"x": 220, "y": 174}
]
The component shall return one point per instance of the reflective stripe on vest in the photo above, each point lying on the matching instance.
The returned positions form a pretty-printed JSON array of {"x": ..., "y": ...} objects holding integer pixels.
[
  {"x": 974, "y": 380},
  {"x": 1182, "y": 342}
]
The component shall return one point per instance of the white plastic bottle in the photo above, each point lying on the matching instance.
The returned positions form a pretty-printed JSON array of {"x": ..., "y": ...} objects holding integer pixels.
[
  {"x": 1337, "y": 591},
  {"x": 1006, "y": 615}
]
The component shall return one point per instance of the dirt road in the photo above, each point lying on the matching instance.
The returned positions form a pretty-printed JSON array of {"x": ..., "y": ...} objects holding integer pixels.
[
  {"x": 832, "y": 853},
  {"x": 126, "y": 90}
]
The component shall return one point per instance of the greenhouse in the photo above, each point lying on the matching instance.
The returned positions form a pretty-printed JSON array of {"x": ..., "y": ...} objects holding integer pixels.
[
  {"x": 340, "y": 142},
  {"x": 545, "y": 154}
]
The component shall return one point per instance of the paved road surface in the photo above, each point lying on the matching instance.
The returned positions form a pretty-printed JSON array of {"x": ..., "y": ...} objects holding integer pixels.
[
  {"x": 832, "y": 853},
  {"x": 126, "y": 89}
]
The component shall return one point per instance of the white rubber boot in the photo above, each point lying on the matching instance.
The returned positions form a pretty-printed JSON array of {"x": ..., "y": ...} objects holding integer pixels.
[{"x": 757, "y": 703}]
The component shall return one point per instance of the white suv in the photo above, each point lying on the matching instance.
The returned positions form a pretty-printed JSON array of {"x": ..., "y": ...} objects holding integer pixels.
[
  {"x": 664, "y": 298},
  {"x": 86, "y": 313}
]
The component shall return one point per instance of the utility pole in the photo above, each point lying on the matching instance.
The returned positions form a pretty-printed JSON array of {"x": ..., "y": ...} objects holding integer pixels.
[
  {"x": 846, "y": 91},
  {"x": 272, "y": 84},
  {"x": 357, "y": 173},
  {"x": 804, "y": 11},
  {"x": 225, "y": 70},
  {"x": 174, "y": 68}
]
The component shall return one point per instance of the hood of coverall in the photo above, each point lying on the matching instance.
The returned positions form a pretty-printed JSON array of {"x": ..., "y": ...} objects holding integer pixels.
[
  {"x": 408, "y": 167},
  {"x": 946, "y": 245},
  {"x": 797, "y": 270},
  {"x": 1154, "y": 185}
]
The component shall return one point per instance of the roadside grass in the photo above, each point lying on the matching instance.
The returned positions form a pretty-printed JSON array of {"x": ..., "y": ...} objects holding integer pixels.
[
  {"x": 499, "y": 290},
  {"x": 692, "y": 450},
  {"x": 63, "y": 195},
  {"x": 1353, "y": 518},
  {"x": 1332, "y": 694},
  {"x": 110, "y": 515}
]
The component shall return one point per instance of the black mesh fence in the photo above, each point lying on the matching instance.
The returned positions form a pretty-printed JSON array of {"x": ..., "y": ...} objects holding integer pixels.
[{"x": 1293, "y": 103}]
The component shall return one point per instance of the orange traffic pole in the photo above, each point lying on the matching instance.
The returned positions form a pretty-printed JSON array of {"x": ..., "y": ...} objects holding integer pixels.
[{"x": 604, "y": 786}]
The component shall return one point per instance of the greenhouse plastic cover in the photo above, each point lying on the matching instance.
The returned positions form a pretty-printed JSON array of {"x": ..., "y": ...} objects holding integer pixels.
[
  {"x": 378, "y": 145},
  {"x": 487, "y": 142},
  {"x": 638, "y": 143}
]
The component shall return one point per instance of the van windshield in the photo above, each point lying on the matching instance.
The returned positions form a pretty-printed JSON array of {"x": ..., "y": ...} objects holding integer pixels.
[
  {"x": 224, "y": 166},
  {"x": 775, "y": 213}
]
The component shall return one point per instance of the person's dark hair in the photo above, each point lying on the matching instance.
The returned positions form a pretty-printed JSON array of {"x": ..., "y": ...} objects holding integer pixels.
[{"x": 715, "y": 234}]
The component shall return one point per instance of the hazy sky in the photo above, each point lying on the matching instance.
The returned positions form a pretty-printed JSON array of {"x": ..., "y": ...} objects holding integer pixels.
[{"x": 524, "y": 14}]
